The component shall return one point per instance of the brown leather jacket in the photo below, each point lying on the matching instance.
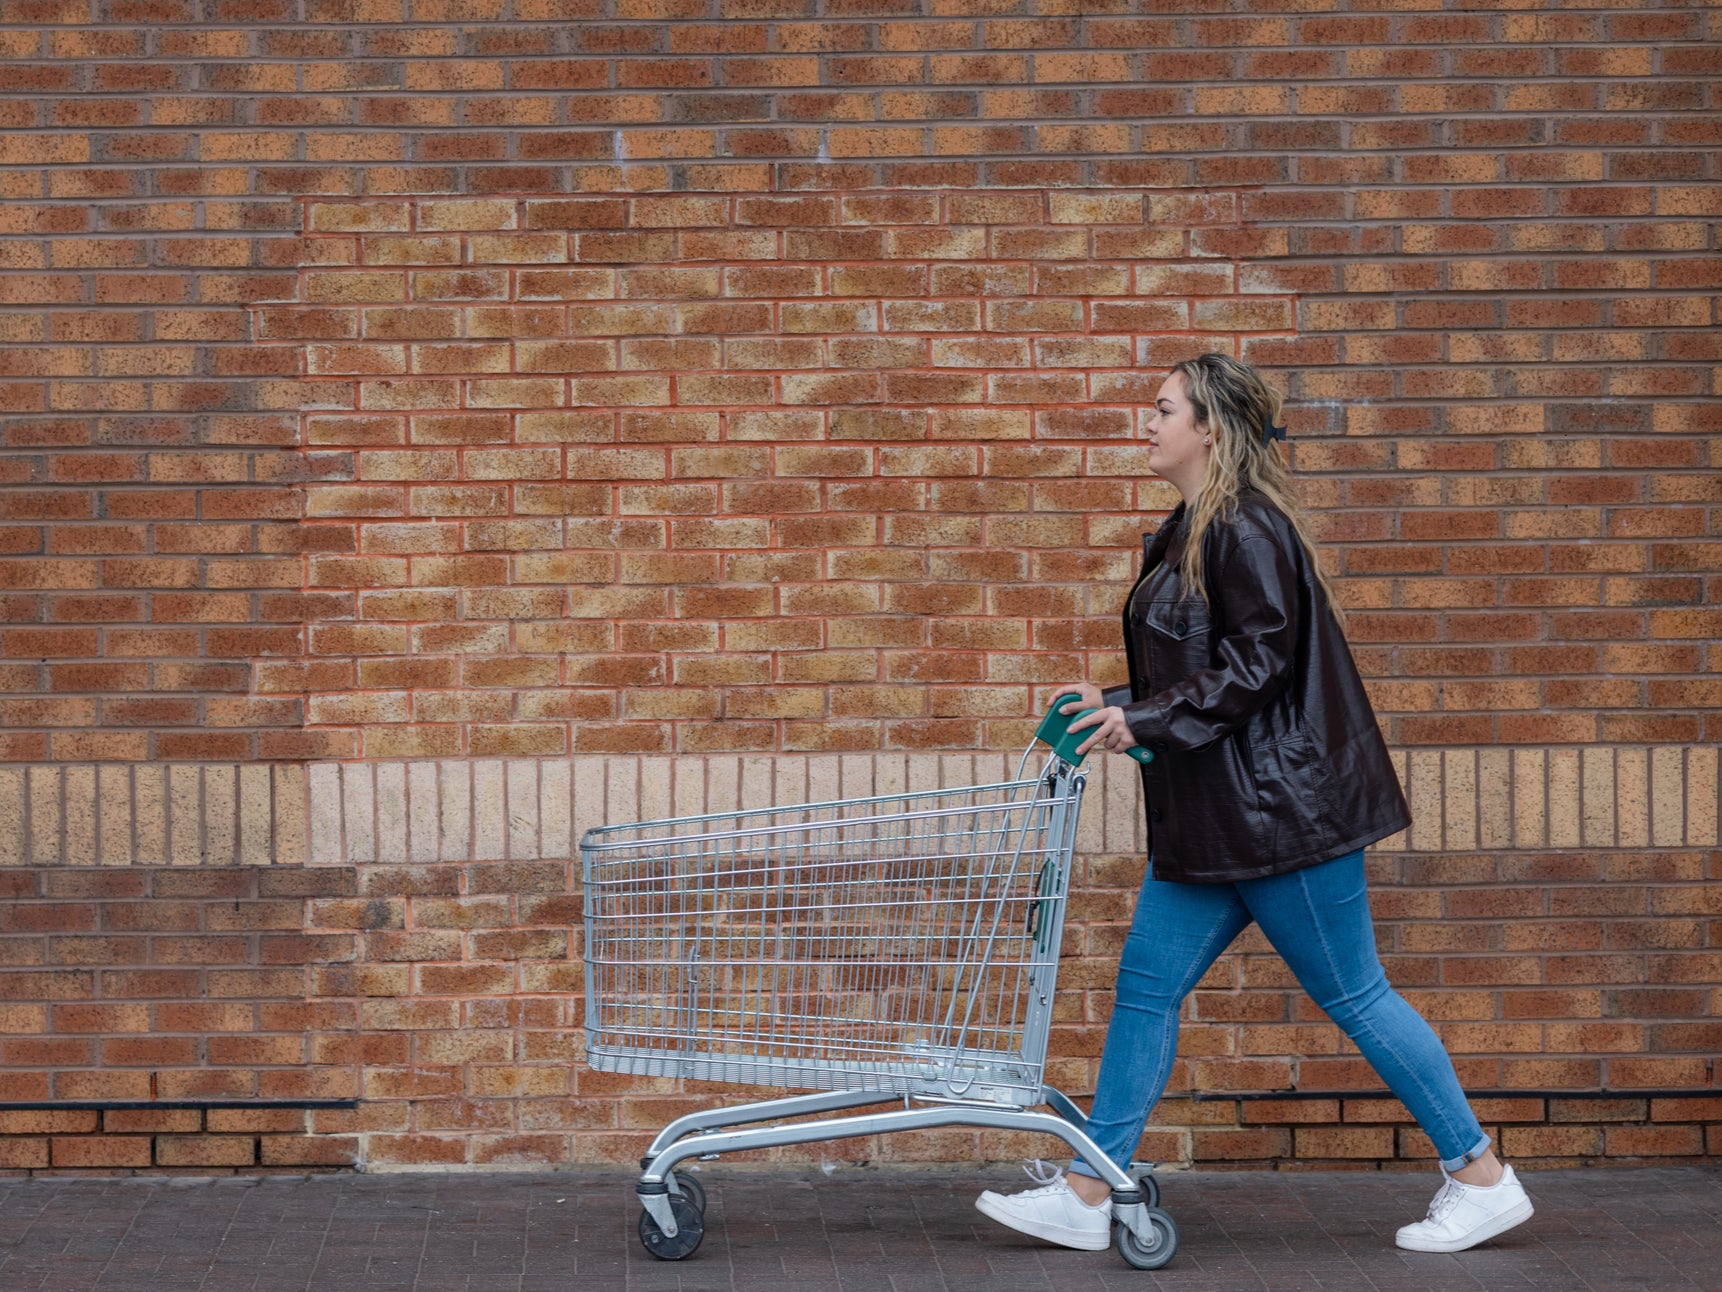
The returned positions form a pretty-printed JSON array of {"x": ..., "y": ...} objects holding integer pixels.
[{"x": 1267, "y": 756}]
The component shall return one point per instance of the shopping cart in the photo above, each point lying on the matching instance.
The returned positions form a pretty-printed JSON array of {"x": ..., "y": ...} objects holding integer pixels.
[{"x": 902, "y": 948}]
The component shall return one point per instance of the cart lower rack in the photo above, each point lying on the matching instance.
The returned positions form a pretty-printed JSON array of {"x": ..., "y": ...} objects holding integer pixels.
[{"x": 901, "y": 949}]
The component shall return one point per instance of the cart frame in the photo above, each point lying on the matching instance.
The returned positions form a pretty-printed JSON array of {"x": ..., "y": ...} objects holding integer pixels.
[{"x": 985, "y": 1072}]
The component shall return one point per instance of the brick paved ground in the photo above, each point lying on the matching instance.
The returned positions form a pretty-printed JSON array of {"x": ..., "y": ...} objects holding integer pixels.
[{"x": 855, "y": 1231}]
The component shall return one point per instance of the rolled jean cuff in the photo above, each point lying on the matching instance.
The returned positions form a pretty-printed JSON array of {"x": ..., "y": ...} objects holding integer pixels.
[
  {"x": 1450, "y": 1164},
  {"x": 1080, "y": 1167}
]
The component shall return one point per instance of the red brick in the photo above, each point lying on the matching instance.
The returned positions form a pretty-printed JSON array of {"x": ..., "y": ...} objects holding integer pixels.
[
  {"x": 105, "y": 1151},
  {"x": 205, "y": 1150},
  {"x": 24, "y": 1153},
  {"x": 150, "y": 1121}
]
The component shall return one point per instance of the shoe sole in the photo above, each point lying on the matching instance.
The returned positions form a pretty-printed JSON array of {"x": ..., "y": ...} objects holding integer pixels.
[
  {"x": 1060, "y": 1234},
  {"x": 1513, "y": 1216}
]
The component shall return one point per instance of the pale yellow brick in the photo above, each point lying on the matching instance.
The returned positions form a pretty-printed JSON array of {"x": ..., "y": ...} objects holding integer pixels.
[
  {"x": 588, "y": 778},
  {"x": 1090, "y": 824},
  {"x": 1597, "y": 775},
  {"x": 290, "y": 841},
  {"x": 1425, "y": 796},
  {"x": 555, "y": 804},
  {"x": 522, "y": 778},
  {"x": 423, "y": 812},
  {"x": 1494, "y": 798},
  {"x": 1530, "y": 803},
  {"x": 220, "y": 814},
  {"x": 789, "y": 777},
  {"x": 824, "y": 778},
  {"x": 855, "y": 776},
  {"x": 1701, "y": 796},
  {"x": 149, "y": 814},
  {"x": 1667, "y": 797},
  {"x": 621, "y": 791},
  {"x": 185, "y": 815},
  {"x": 489, "y": 811},
  {"x": 891, "y": 772},
  {"x": 391, "y": 783},
  {"x": 688, "y": 789},
  {"x": 12, "y": 816},
  {"x": 114, "y": 804},
  {"x": 923, "y": 773},
  {"x": 1459, "y": 799},
  {"x": 1121, "y": 803},
  {"x": 256, "y": 815},
  {"x": 1632, "y": 797},
  {"x": 1564, "y": 799},
  {"x": 358, "y": 814},
  {"x": 757, "y": 782},
  {"x": 655, "y": 778},
  {"x": 80, "y": 823},
  {"x": 325, "y": 814},
  {"x": 454, "y": 810},
  {"x": 956, "y": 770}
]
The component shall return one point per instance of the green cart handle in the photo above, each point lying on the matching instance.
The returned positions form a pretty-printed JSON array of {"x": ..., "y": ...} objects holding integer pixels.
[{"x": 1055, "y": 730}]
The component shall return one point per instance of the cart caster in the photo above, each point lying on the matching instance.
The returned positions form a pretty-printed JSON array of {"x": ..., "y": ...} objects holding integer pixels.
[
  {"x": 1146, "y": 1182},
  {"x": 1151, "y": 1257},
  {"x": 690, "y": 1228},
  {"x": 695, "y": 1192}
]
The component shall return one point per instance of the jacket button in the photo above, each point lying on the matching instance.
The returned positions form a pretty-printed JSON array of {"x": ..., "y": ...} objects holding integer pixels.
[
  {"x": 1154, "y": 815},
  {"x": 1180, "y": 628},
  {"x": 1159, "y": 746}
]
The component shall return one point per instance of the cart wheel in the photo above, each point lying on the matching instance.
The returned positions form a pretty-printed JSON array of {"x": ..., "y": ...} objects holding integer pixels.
[
  {"x": 1152, "y": 1257},
  {"x": 690, "y": 1228},
  {"x": 1150, "y": 1187},
  {"x": 693, "y": 1190}
]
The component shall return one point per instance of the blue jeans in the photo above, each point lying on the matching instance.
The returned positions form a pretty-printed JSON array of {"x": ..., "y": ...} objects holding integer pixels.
[{"x": 1318, "y": 920}]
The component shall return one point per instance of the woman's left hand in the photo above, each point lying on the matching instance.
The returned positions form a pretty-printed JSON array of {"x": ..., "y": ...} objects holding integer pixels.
[{"x": 1113, "y": 733}]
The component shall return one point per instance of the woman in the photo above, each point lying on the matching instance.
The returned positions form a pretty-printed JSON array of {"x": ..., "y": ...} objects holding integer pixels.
[{"x": 1269, "y": 777}]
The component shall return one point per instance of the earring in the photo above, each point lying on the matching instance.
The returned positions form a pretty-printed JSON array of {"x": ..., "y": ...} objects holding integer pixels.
[{"x": 1207, "y": 440}]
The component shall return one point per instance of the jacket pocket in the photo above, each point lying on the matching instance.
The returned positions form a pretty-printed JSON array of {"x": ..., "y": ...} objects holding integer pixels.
[
  {"x": 1183, "y": 620},
  {"x": 1204, "y": 803},
  {"x": 1175, "y": 643},
  {"x": 1291, "y": 794}
]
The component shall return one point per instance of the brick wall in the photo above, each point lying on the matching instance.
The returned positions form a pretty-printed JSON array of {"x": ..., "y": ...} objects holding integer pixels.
[
  {"x": 418, "y": 952},
  {"x": 916, "y": 273},
  {"x": 695, "y": 378},
  {"x": 173, "y": 987},
  {"x": 736, "y": 472}
]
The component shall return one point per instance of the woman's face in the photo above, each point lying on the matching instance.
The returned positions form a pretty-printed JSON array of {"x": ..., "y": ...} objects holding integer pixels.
[{"x": 1175, "y": 448}]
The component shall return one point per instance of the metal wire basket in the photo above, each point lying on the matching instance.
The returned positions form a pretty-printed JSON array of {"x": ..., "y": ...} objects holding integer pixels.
[{"x": 902, "y": 946}]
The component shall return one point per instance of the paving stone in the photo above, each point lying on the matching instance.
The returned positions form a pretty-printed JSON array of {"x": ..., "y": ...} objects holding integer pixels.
[{"x": 1609, "y": 1230}]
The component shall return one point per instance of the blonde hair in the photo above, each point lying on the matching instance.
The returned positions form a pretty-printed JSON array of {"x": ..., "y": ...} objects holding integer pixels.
[{"x": 1236, "y": 407}]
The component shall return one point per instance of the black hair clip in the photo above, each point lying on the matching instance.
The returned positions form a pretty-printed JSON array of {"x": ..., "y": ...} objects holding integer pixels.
[{"x": 1270, "y": 433}]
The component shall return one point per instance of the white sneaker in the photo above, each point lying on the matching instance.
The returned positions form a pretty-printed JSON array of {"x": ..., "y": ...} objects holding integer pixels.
[
  {"x": 1052, "y": 1211},
  {"x": 1463, "y": 1215}
]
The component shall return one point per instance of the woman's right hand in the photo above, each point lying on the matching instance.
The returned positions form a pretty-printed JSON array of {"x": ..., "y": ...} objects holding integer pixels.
[{"x": 1091, "y": 698}]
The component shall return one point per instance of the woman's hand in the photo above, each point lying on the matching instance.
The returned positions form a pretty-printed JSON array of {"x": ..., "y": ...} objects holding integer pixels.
[
  {"x": 1091, "y": 697},
  {"x": 1113, "y": 733}
]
